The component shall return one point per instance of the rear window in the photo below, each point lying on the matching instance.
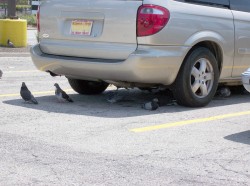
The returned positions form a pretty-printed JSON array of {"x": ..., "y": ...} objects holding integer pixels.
[
  {"x": 240, "y": 5},
  {"x": 214, "y": 3}
]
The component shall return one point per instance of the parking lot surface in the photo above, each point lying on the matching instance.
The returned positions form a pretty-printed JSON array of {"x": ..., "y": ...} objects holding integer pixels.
[{"x": 94, "y": 142}]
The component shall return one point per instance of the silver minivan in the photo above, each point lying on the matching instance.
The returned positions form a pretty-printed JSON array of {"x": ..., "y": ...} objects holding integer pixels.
[{"x": 187, "y": 46}]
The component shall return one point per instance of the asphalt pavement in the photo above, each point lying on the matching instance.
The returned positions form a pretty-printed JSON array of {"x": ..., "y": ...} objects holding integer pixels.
[{"x": 94, "y": 142}]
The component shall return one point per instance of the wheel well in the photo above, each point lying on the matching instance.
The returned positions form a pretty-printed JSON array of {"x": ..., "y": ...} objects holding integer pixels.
[{"x": 214, "y": 48}]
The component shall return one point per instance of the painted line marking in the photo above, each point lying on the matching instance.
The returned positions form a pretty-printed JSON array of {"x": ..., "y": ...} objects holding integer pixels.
[
  {"x": 188, "y": 122},
  {"x": 15, "y": 53},
  {"x": 230, "y": 67},
  {"x": 34, "y": 93},
  {"x": 48, "y": 65},
  {"x": 21, "y": 71}
]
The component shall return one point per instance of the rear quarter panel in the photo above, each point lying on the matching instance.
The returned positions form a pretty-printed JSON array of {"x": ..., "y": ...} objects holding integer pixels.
[{"x": 190, "y": 24}]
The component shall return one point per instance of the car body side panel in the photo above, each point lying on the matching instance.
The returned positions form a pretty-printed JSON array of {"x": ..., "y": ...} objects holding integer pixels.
[
  {"x": 242, "y": 42},
  {"x": 190, "y": 24}
]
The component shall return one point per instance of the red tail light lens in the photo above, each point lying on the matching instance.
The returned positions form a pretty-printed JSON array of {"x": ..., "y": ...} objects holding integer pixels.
[
  {"x": 38, "y": 19},
  {"x": 151, "y": 19}
]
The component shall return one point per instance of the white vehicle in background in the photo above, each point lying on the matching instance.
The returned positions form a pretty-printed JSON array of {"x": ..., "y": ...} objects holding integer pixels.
[
  {"x": 246, "y": 79},
  {"x": 188, "y": 46}
]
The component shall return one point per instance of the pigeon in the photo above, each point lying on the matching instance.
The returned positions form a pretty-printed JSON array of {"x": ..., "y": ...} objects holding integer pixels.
[
  {"x": 26, "y": 94},
  {"x": 10, "y": 44},
  {"x": 1, "y": 74},
  {"x": 114, "y": 97},
  {"x": 164, "y": 101},
  {"x": 223, "y": 92},
  {"x": 61, "y": 95},
  {"x": 152, "y": 105}
]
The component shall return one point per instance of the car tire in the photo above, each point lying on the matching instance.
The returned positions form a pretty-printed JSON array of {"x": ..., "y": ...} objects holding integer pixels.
[
  {"x": 197, "y": 81},
  {"x": 88, "y": 87}
]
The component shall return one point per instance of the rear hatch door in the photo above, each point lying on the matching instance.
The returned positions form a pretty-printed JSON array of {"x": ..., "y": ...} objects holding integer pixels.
[{"x": 89, "y": 28}]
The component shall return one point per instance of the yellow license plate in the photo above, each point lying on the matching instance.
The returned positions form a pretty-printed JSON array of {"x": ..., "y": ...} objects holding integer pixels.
[{"x": 81, "y": 27}]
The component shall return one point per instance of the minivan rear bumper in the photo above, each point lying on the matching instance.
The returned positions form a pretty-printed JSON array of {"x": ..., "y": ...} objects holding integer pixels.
[{"x": 148, "y": 64}]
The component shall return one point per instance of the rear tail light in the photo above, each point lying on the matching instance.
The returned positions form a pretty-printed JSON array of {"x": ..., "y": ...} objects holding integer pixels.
[
  {"x": 151, "y": 19},
  {"x": 38, "y": 19}
]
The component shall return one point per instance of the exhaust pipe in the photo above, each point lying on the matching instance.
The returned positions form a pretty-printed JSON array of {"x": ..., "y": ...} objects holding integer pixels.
[{"x": 52, "y": 73}]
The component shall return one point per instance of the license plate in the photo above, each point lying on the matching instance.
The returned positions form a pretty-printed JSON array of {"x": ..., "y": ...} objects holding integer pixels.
[{"x": 81, "y": 27}]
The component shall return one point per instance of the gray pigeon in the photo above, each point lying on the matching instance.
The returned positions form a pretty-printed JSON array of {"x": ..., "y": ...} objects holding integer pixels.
[
  {"x": 223, "y": 92},
  {"x": 26, "y": 94},
  {"x": 152, "y": 105},
  {"x": 1, "y": 74},
  {"x": 164, "y": 100},
  {"x": 61, "y": 95},
  {"x": 114, "y": 97},
  {"x": 10, "y": 44}
]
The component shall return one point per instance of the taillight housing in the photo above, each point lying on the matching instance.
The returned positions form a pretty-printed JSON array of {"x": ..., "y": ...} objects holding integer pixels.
[
  {"x": 151, "y": 19},
  {"x": 38, "y": 19}
]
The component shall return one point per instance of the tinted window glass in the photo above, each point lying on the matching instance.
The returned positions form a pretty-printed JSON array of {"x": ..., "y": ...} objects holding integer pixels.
[
  {"x": 240, "y": 5},
  {"x": 221, "y": 3}
]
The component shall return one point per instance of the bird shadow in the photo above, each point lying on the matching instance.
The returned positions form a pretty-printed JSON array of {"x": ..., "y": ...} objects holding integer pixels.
[
  {"x": 242, "y": 137},
  {"x": 128, "y": 106}
]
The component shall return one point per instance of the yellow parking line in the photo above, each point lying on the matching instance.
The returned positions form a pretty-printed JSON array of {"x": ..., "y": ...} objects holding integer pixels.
[
  {"x": 229, "y": 67},
  {"x": 188, "y": 122},
  {"x": 48, "y": 65},
  {"x": 34, "y": 93},
  {"x": 21, "y": 71}
]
